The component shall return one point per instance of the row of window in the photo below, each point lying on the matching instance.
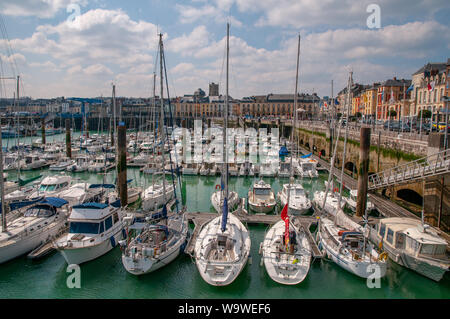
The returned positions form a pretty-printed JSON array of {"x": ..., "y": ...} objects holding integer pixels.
[
  {"x": 92, "y": 227},
  {"x": 429, "y": 96}
]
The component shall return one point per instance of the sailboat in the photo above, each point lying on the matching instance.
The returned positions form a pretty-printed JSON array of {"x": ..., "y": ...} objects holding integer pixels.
[
  {"x": 286, "y": 252},
  {"x": 223, "y": 245},
  {"x": 343, "y": 240},
  {"x": 160, "y": 193},
  {"x": 155, "y": 245}
]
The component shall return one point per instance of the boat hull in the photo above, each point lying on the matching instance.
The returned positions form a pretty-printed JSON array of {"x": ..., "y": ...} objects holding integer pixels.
[{"x": 81, "y": 255}]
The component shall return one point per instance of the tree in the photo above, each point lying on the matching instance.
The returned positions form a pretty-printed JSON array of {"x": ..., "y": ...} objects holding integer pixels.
[
  {"x": 425, "y": 114},
  {"x": 392, "y": 113},
  {"x": 358, "y": 115}
]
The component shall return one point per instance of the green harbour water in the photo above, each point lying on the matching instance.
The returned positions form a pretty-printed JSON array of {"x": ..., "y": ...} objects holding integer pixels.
[{"x": 105, "y": 277}]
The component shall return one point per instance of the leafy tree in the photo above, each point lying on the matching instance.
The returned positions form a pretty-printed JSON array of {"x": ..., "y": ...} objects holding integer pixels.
[
  {"x": 392, "y": 113},
  {"x": 425, "y": 114}
]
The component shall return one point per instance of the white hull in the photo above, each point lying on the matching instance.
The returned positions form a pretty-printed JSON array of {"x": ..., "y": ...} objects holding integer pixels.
[
  {"x": 81, "y": 255},
  {"x": 280, "y": 266},
  {"x": 222, "y": 273},
  {"x": 23, "y": 246}
]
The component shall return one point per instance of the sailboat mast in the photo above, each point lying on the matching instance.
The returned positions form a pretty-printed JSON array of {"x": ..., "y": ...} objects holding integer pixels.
[
  {"x": 349, "y": 87},
  {"x": 161, "y": 124},
  {"x": 114, "y": 112},
  {"x": 225, "y": 126},
  {"x": 295, "y": 121},
  {"x": 2, "y": 188}
]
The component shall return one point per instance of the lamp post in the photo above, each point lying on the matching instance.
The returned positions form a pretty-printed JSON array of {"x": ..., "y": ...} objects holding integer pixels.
[{"x": 445, "y": 98}]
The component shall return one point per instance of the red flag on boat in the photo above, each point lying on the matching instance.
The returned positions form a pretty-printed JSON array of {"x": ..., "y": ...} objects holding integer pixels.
[{"x": 284, "y": 212}]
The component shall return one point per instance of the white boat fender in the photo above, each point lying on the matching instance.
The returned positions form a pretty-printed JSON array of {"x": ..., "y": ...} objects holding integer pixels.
[
  {"x": 250, "y": 259},
  {"x": 122, "y": 243}
]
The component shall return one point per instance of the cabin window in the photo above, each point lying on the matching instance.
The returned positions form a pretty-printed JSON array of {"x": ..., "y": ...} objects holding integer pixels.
[
  {"x": 116, "y": 218},
  {"x": 83, "y": 228},
  {"x": 400, "y": 241},
  {"x": 382, "y": 230},
  {"x": 102, "y": 228},
  {"x": 262, "y": 191},
  {"x": 412, "y": 244},
  {"x": 440, "y": 249},
  {"x": 390, "y": 235},
  {"x": 427, "y": 249},
  {"x": 108, "y": 223}
]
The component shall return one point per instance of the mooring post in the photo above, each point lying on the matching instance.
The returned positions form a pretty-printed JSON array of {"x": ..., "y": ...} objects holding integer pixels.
[
  {"x": 363, "y": 172},
  {"x": 43, "y": 129},
  {"x": 68, "y": 141},
  {"x": 122, "y": 164}
]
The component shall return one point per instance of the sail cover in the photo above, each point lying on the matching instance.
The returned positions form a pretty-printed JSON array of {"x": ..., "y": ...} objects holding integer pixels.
[{"x": 224, "y": 214}]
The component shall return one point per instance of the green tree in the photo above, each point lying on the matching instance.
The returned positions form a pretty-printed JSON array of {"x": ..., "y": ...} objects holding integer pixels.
[
  {"x": 392, "y": 113},
  {"x": 425, "y": 114}
]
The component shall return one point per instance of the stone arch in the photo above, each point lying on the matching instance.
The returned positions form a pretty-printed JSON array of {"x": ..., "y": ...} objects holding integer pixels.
[
  {"x": 410, "y": 196},
  {"x": 301, "y": 141},
  {"x": 307, "y": 146},
  {"x": 350, "y": 166},
  {"x": 322, "y": 153}
]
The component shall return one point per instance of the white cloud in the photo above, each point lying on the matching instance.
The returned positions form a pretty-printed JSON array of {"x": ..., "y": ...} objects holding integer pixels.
[
  {"x": 217, "y": 13},
  {"x": 39, "y": 8},
  {"x": 182, "y": 68},
  {"x": 187, "y": 44},
  {"x": 97, "y": 69}
]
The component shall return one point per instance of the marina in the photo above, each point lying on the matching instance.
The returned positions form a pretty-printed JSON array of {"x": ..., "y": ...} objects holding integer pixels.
[
  {"x": 200, "y": 197},
  {"x": 105, "y": 277}
]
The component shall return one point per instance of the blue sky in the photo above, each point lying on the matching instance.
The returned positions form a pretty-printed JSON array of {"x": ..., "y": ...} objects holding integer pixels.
[{"x": 116, "y": 41}]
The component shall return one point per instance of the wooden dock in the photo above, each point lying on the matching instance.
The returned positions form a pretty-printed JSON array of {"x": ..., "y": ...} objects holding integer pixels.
[{"x": 201, "y": 218}]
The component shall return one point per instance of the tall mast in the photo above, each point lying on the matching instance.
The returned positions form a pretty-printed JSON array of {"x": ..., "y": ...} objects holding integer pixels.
[
  {"x": 161, "y": 124},
  {"x": 114, "y": 113},
  {"x": 226, "y": 116},
  {"x": 2, "y": 188},
  {"x": 295, "y": 121},
  {"x": 349, "y": 87}
]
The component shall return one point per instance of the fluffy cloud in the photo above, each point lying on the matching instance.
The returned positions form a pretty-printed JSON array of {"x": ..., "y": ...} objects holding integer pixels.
[
  {"x": 188, "y": 44},
  {"x": 39, "y": 8},
  {"x": 324, "y": 56},
  {"x": 308, "y": 13},
  {"x": 217, "y": 12}
]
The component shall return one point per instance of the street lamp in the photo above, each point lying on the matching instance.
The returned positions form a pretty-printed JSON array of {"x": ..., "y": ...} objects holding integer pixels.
[{"x": 445, "y": 99}]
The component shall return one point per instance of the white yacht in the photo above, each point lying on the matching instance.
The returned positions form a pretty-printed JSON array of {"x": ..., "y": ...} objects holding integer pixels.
[
  {"x": 81, "y": 164},
  {"x": 221, "y": 254},
  {"x": 413, "y": 245},
  {"x": 155, "y": 245},
  {"x": 348, "y": 246},
  {"x": 153, "y": 196},
  {"x": 286, "y": 263},
  {"x": 62, "y": 164},
  {"x": 52, "y": 185},
  {"x": 217, "y": 201},
  {"x": 190, "y": 169},
  {"x": 80, "y": 193},
  {"x": 268, "y": 169},
  {"x": 284, "y": 170},
  {"x": 261, "y": 198},
  {"x": 307, "y": 168},
  {"x": 33, "y": 161},
  {"x": 332, "y": 203},
  {"x": 94, "y": 229},
  {"x": 204, "y": 170},
  {"x": 39, "y": 224},
  {"x": 299, "y": 202},
  {"x": 100, "y": 164},
  {"x": 351, "y": 201}
]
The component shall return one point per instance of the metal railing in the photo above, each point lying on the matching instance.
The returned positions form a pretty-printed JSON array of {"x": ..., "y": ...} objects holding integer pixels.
[{"x": 433, "y": 165}]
